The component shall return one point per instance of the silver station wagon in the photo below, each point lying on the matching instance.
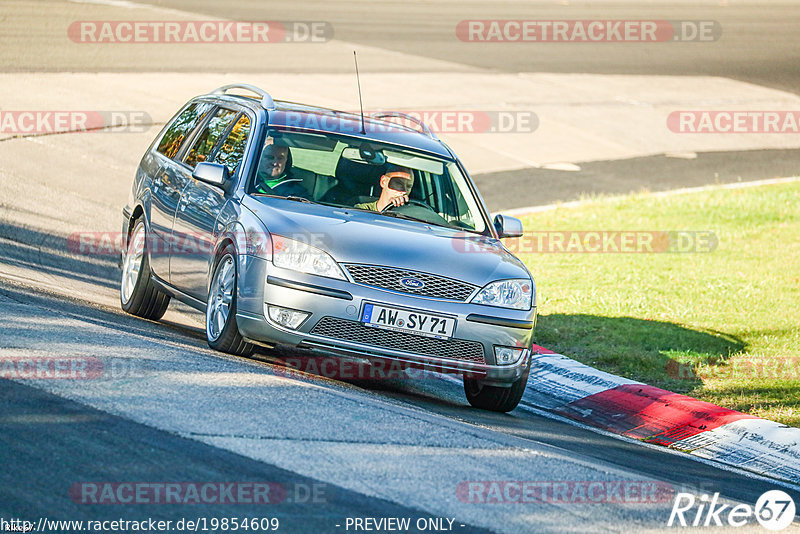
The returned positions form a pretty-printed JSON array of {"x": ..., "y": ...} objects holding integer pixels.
[{"x": 340, "y": 235}]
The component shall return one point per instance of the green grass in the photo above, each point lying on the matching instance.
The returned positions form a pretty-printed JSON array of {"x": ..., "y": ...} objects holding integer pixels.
[{"x": 722, "y": 326}]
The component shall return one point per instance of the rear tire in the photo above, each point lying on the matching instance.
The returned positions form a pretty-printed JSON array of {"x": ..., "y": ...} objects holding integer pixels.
[
  {"x": 138, "y": 295},
  {"x": 494, "y": 398},
  {"x": 222, "y": 333}
]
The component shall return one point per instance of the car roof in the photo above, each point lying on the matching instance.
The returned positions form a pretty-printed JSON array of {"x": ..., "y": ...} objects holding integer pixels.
[{"x": 302, "y": 117}]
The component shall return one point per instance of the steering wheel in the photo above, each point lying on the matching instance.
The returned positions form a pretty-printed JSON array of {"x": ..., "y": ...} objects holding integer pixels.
[{"x": 409, "y": 202}]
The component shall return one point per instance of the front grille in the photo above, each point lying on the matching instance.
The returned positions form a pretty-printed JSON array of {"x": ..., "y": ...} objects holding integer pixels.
[
  {"x": 389, "y": 278},
  {"x": 452, "y": 349}
]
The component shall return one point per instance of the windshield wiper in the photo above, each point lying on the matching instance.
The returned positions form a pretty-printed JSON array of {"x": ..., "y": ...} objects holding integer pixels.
[
  {"x": 290, "y": 197},
  {"x": 298, "y": 199},
  {"x": 404, "y": 216},
  {"x": 410, "y": 218},
  {"x": 442, "y": 225}
]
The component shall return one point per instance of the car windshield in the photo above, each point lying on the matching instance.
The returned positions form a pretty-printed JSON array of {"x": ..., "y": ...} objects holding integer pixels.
[{"x": 361, "y": 174}]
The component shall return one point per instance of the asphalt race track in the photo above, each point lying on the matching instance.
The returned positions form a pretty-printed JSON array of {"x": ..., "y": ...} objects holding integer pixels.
[
  {"x": 167, "y": 409},
  {"x": 398, "y": 449}
]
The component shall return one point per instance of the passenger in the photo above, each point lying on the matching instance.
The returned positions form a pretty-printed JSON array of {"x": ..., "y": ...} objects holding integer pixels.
[
  {"x": 275, "y": 174},
  {"x": 396, "y": 183}
]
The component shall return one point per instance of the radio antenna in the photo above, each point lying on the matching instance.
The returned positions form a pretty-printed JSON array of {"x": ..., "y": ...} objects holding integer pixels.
[{"x": 360, "y": 102}]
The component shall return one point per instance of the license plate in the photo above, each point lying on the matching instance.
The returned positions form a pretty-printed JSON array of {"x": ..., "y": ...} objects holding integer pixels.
[{"x": 408, "y": 321}]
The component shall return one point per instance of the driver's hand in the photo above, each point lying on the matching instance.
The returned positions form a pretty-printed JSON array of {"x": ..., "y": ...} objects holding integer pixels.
[
  {"x": 399, "y": 198},
  {"x": 391, "y": 198}
]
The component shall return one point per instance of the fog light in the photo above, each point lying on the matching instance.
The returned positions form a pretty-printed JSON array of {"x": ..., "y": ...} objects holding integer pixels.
[
  {"x": 507, "y": 355},
  {"x": 286, "y": 316}
]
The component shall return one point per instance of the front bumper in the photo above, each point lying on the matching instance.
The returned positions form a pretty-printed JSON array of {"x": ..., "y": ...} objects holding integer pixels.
[{"x": 339, "y": 301}]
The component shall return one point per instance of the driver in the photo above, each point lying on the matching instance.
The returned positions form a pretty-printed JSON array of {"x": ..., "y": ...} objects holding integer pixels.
[
  {"x": 395, "y": 184},
  {"x": 275, "y": 175}
]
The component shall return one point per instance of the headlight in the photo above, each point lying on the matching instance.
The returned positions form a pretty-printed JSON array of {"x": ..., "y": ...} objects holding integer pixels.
[
  {"x": 514, "y": 294},
  {"x": 298, "y": 256}
]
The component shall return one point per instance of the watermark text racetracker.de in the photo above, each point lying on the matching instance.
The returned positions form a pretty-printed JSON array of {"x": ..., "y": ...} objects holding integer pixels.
[
  {"x": 588, "y": 31},
  {"x": 441, "y": 121},
  {"x": 193, "y": 492},
  {"x": 72, "y": 368},
  {"x": 336, "y": 368},
  {"x": 599, "y": 242},
  {"x": 38, "y": 122},
  {"x": 734, "y": 122},
  {"x": 89, "y": 243},
  {"x": 564, "y": 492},
  {"x": 198, "y": 32},
  {"x": 768, "y": 368}
]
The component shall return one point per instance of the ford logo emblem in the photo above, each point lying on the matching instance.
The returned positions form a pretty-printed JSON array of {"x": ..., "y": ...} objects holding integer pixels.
[{"x": 412, "y": 283}]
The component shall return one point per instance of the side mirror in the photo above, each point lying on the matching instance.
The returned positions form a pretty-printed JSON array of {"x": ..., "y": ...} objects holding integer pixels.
[
  {"x": 214, "y": 174},
  {"x": 507, "y": 226}
]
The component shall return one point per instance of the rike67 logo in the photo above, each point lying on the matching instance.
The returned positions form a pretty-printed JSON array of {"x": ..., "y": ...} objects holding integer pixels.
[{"x": 774, "y": 510}]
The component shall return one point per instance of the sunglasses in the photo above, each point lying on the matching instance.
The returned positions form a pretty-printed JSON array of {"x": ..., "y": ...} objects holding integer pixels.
[{"x": 400, "y": 182}]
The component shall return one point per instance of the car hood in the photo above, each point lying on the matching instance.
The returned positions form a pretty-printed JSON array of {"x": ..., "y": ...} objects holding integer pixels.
[{"x": 354, "y": 236}]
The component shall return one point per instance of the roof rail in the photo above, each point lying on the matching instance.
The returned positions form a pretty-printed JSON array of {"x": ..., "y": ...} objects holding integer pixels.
[
  {"x": 389, "y": 114},
  {"x": 266, "y": 98}
]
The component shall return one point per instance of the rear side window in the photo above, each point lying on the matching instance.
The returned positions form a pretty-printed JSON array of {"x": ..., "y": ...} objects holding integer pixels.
[
  {"x": 181, "y": 126},
  {"x": 231, "y": 152},
  {"x": 207, "y": 140}
]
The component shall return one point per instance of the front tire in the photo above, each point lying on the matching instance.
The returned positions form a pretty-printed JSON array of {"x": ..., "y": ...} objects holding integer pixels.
[
  {"x": 222, "y": 333},
  {"x": 495, "y": 398},
  {"x": 138, "y": 294}
]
